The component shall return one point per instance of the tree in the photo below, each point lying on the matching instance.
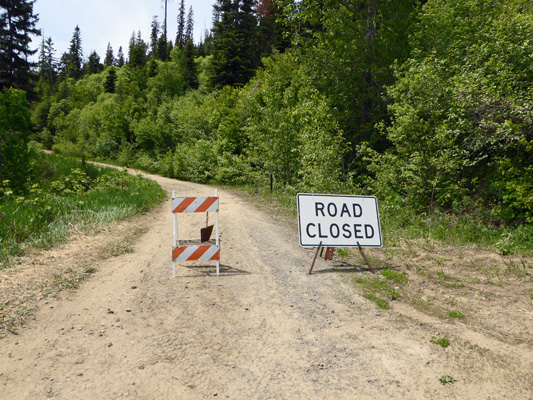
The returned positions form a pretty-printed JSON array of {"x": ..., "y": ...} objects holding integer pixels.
[
  {"x": 120, "y": 58},
  {"x": 93, "y": 65},
  {"x": 109, "y": 59},
  {"x": 235, "y": 50},
  {"x": 109, "y": 83},
  {"x": 75, "y": 55},
  {"x": 190, "y": 26},
  {"x": 137, "y": 50},
  {"x": 154, "y": 39},
  {"x": 14, "y": 136},
  {"x": 188, "y": 66},
  {"x": 17, "y": 23},
  {"x": 180, "y": 37},
  {"x": 47, "y": 64}
]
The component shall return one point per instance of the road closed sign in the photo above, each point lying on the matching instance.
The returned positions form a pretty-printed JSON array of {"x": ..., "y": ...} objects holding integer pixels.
[{"x": 338, "y": 221}]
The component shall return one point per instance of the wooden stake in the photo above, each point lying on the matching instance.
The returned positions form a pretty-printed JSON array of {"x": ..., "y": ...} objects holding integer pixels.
[
  {"x": 366, "y": 260},
  {"x": 314, "y": 259}
]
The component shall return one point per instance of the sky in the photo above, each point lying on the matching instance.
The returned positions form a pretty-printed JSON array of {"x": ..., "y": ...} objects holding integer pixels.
[{"x": 113, "y": 21}]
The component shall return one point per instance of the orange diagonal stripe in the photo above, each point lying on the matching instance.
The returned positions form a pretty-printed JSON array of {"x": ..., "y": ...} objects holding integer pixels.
[
  {"x": 176, "y": 252},
  {"x": 206, "y": 204},
  {"x": 198, "y": 253},
  {"x": 184, "y": 204},
  {"x": 216, "y": 256}
]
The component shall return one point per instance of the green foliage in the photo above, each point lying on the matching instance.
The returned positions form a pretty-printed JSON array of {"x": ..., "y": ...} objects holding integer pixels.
[
  {"x": 462, "y": 126},
  {"x": 456, "y": 314},
  {"x": 290, "y": 127},
  {"x": 440, "y": 341},
  {"x": 68, "y": 195},
  {"x": 14, "y": 137},
  {"x": 446, "y": 379},
  {"x": 428, "y": 107}
]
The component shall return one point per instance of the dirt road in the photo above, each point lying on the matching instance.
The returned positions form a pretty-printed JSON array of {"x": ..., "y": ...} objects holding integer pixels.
[{"x": 263, "y": 329}]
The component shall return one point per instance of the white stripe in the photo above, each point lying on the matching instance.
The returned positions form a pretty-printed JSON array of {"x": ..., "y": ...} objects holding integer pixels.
[
  {"x": 186, "y": 253},
  {"x": 209, "y": 253},
  {"x": 195, "y": 204}
]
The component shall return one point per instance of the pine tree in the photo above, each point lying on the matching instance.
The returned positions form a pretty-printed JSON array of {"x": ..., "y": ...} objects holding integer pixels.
[
  {"x": 188, "y": 66},
  {"x": 137, "y": 50},
  {"x": 120, "y": 58},
  {"x": 180, "y": 37},
  {"x": 190, "y": 26},
  {"x": 93, "y": 65},
  {"x": 17, "y": 23},
  {"x": 75, "y": 55},
  {"x": 154, "y": 39},
  {"x": 235, "y": 50},
  {"x": 109, "y": 57},
  {"x": 47, "y": 64},
  {"x": 109, "y": 83}
]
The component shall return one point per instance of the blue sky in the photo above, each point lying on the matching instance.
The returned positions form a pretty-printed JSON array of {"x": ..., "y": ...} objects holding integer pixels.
[{"x": 114, "y": 21}]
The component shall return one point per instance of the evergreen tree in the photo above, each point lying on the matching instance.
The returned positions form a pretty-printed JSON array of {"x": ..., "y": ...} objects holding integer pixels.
[
  {"x": 109, "y": 83},
  {"x": 75, "y": 55},
  {"x": 180, "y": 37},
  {"x": 93, "y": 65},
  {"x": 270, "y": 33},
  {"x": 47, "y": 64},
  {"x": 17, "y": 23},
  {"x": 188, "y": 66},
  {"x": 109, "y": 57},
  {"x": 137, "y": 50},
  {"x": 154, "y": 39},
  {"x": 163, "y": 49},
  {"x": 235, "y": 50},
  {"x": 190, "y": 26},
  {"x": 14, "y": 137},
  {"x": 120, "y": 58}
]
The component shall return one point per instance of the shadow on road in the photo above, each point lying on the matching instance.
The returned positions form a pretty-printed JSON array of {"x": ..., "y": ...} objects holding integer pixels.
[{"x": 210, "y": 270}]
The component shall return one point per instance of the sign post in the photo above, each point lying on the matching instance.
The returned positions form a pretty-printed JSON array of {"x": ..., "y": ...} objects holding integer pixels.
[{"x": 338, "y": 221}]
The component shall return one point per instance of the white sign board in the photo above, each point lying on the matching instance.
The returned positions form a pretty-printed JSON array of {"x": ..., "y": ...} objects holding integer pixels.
[{"x": 338, "y": 221}]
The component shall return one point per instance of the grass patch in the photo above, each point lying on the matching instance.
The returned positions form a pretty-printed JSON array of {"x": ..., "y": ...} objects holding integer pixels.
[
  {"x": 442, "y": 342},
  {"x": 383, "y": 288},
  {"x": 69, "y": 196},
  {"x": 456, "y": 314}
]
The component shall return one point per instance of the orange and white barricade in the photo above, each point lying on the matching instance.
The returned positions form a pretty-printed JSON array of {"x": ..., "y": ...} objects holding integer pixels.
[{"x": 195, "y": 249}]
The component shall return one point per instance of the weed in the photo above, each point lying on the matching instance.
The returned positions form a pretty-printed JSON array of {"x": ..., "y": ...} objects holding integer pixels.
[
  {"x": 381, "y": 303},
  {"x": 446, "y": 379},
  {"x": 456, "y": 314},
  {"x": 395, "y": 276},
  {"x": 343, "y": 254},
  {"x": 442, "y": 342},
  {"x": 382, "y": 287}
]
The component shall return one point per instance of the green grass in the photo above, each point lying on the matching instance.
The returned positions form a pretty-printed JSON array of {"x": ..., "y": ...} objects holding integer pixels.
[
  {"x": 456, "y": 314},
  {"x": 446, "y": 379},
  {"x": 67, "y": 196},
  {"x": 382, "y": 288},
  {"x": 442, "y": 342}
]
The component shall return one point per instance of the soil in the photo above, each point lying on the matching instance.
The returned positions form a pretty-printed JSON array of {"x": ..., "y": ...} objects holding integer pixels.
[{"x": 103, "y": 318}]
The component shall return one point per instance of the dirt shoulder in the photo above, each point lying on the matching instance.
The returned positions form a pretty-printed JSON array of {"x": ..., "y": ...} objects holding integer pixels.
[{"x": 264, "y": 328}]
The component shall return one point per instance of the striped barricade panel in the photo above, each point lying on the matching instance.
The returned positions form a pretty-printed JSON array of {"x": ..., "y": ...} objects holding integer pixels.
[
  {"x": 194, "y": 204},
  {"x": 196, "y": 253}
]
